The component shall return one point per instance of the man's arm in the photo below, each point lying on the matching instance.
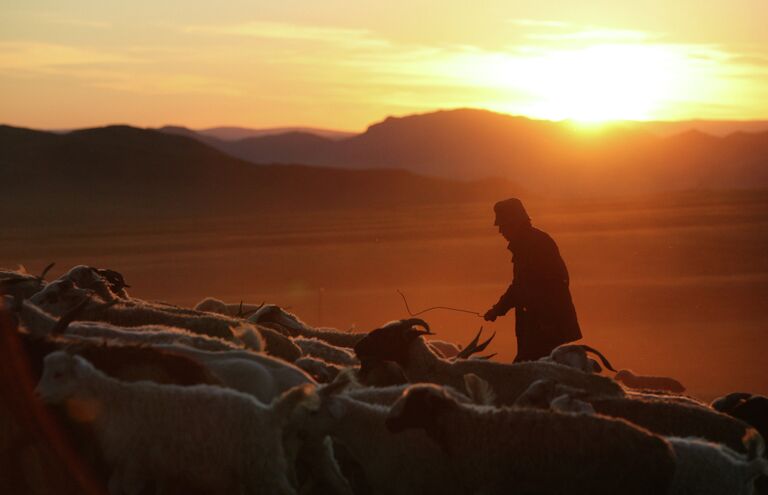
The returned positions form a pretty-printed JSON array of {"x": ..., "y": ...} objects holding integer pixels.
[{"x": 507, "y": 301}]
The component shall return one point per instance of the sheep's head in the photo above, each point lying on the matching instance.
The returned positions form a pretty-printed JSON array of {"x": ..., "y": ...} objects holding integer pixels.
[
  {"x": 61, "y": 373},
  {"x": 391, "y": 342},
  {"x": 114, "y": 279},
  {"x": 59, "y": 296},
  {"x": 331, "y": 408},
  {"x": 271, "y": 313},
  {"x": 419, "y": 407},
  {"x": 723, "y": 404},
  {"x": 108, "y": 284}
]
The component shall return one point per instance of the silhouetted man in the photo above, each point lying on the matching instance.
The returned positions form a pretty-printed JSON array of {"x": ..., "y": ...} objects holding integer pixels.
[{"x": 544, "y": 314}]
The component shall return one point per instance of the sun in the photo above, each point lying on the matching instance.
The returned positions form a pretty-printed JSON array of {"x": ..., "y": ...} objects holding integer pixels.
[
  {"x": 589, "y": 84},
  {"x": 603, "y": 83}
]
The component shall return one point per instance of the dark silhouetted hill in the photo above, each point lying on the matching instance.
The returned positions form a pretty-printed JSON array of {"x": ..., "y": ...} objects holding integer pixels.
[
  {"x": 550, "y": 157},
  {"x": 121, "y": 173}
]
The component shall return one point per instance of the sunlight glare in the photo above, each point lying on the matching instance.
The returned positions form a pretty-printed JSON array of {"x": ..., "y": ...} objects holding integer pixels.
[
  {"x": 604, "y": 82},
  {"x": 593, "y": 84}
]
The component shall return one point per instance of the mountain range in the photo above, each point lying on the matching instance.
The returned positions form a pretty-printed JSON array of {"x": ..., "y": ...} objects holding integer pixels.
[
  {"x": 120, "y": 173},
  {"x": 549, "y": 157}
]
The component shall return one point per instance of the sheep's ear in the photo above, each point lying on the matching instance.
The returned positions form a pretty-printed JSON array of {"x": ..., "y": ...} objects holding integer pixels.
[
  {"x": 345, "y": 379},
  {"x": 595, "y": 366},
  {"x": 479, "y": 390},
  {"x": 80, "y": 366},
  {"x": 304, "y": 396},
  {"x": 754, "y": 444}
]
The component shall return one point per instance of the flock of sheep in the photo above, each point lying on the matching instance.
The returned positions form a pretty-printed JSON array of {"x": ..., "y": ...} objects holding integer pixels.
[{"x": 139, "y": 397}]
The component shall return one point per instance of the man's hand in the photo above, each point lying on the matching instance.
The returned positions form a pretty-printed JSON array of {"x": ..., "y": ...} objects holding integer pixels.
[{"x": 491, "y": 315}]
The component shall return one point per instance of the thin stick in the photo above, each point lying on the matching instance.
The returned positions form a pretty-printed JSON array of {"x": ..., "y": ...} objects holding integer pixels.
[{"x": 407, "y": 308}]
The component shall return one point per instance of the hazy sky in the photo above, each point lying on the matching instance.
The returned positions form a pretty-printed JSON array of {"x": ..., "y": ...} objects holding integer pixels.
[{"x": 345, "y": 64}]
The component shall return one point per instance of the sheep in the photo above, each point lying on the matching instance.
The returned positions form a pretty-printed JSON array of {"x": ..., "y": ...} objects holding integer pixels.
[
  {"x": 400, "y": 342},
  {"x": 127, "y": 362},
  {"x": 40, "y": 323},
  {"x": 61, "y": 297},
  {"x": 727, "y": 403},
  {"x": 274, "y": 316},
  {"x": 322, "y": 371},
  {"x": 575, "y": 356},
  {"x": 706, "y": 468},
  {"x": 475, "y": 391},
  {"x": 21, "y": 284},
  {"x": 675, "y": 419},
  {"x": 392, "y": 464},
  {"x": 279, "y": 345},
  {"x": 666, "y": 396},
  {"x": 213, "y": 305},
  {"x": 754, "y": 411},
  {"x": 109, "y": 285},
  {"x": 628, "y": 378},
  {"x": 327, "y": 352},
  {"x": 510, "y": 450},
  {"x": 548, "y": 394},
  {"x": 258, "y": 375},
  {"x": 160, "y": 434},
  {"x": 703, "y": 467}
]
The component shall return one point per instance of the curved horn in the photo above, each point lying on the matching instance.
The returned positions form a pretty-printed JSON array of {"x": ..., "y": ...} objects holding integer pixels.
[
  {"x": 487, "y": 357},
  {"x": 598, "y": 354},
  {"x": 45, "y": 271},
  {"x": 246, "y": 314},
  {"x": 467, "y": 351},
  {"x": 482, "y": 346}
]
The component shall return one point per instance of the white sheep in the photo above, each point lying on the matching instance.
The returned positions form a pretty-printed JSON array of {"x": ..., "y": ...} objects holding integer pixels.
[
  {"x": 40, "y": 323},
  {"x": 212, "y": 438},
  {"x": 213, "y": 305},
  {"x": 475, "y": 391},
  {"x": 276, "y": 317},
  {"x": 392, "y": 464},
  {"x": 317, "y": 348},
  {"x": 511, "y": 450},
  {"x": 706, "y": 468},
  {"x": 62, "y": 297},
  {"x": 670, "y": 418},
  {"x": 258, "y": 375},
  {"x": 109, "y": 285},
  {"x": 320, "y": 370},
  {"x": 400, "y": 342}
]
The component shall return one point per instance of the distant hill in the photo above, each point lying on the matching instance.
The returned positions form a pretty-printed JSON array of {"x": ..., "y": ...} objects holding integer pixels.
[
  {"x": 237, "y": 133},
  {"x": 715, "y": 127},
  {"x": 121, "y": 173},
  {"x": 546, "y": 156}
]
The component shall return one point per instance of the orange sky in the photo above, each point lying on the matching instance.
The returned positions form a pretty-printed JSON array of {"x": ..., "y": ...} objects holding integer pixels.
[{"x": 345, "y": 64}]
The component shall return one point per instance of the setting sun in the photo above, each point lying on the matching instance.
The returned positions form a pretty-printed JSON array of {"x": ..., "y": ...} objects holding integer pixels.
[{"x": 604, "y": 82}]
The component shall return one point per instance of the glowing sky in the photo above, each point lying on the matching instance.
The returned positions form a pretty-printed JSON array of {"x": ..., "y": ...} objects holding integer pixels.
[{"x": 345, "y": 64}]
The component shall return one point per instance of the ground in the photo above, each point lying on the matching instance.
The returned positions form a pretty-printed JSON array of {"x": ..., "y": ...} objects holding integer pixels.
[{"x": 674, "y": 285}]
